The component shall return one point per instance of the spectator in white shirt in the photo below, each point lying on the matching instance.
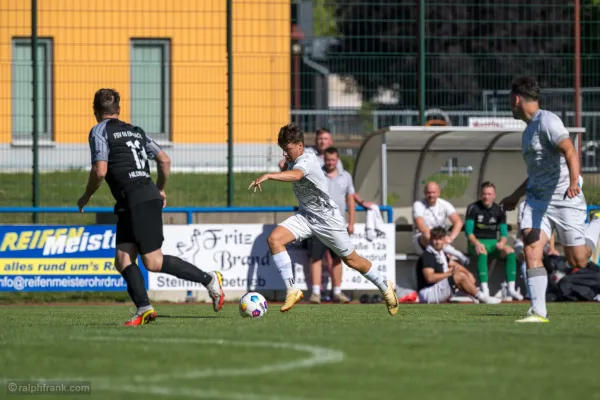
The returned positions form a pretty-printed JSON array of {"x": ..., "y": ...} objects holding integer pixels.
[{"x": 432, "y": 212}]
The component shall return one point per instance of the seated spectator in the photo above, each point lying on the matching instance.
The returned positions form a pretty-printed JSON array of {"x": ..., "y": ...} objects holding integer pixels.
[
  {"x": 431, "y": 212},
  {"x": 486, "y": 221},
  {"x": 438, "y": 278}
]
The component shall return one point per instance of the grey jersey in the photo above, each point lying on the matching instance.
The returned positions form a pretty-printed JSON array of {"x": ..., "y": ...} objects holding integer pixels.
[
  {"x": 340, "y": 186},
  {"x": 547, "y": 171},
  {"x": 320, "y": 158},
  {"x": 312, "y": 191}
]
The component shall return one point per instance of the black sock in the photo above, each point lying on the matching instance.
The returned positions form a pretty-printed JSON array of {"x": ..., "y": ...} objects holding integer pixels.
[
  {"x": 135, "y": 285},
  {"x": 182, "y": 269}
]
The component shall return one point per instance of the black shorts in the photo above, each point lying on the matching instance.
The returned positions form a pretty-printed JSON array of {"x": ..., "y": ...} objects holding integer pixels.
[{"x": 142, "y": 225}]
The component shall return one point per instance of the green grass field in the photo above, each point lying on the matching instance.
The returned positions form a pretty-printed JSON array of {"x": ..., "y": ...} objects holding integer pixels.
[{"x": 312, "y": 352}]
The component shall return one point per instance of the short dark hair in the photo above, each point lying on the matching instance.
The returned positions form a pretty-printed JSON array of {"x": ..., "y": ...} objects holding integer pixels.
[
  {"x": 332, "y": 150},
  {"x": 322, "y": 130},
  {"x": 290, "y": 133},
  {"x": 106, "y": 102},
  {"x": 438, "y": 232},
  {"x": 526, "y": 87},
  {"x": 487, "y": 184}
]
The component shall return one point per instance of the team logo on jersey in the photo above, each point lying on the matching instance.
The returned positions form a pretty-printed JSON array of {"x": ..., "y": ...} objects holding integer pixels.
[{"x": 480, "y": 218}]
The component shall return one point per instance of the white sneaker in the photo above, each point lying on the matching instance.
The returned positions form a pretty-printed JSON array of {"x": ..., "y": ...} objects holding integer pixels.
[
  {"x": 491, "y": 300},
  {"x": 486, "y": 293},
  {"x": 515, "y": 295}
]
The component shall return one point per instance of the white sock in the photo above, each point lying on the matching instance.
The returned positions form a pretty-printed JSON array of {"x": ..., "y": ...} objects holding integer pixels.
[
  {"x": 592, "y": 232},
  {"x": 377, "y": 280},
  {"x": 316, "y": 289},
  {"x": 537, "y": 280},
  {"x": 142, "y": 310},
  {"x": 480, "y": 296},
  {"x": 485, "y": 289},
  {"x": 284, "y": 266},
  {"x": 511, "y": 287},
  {"x": 337, "y": 290},
  {"x": 453, "y": 252}
]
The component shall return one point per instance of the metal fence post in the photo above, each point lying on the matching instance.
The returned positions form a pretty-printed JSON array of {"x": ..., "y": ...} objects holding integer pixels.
[
  {"x": 422, "y": 50},
  {"x": 34, "y": 147},
  {"x": 230, "y": 187}
]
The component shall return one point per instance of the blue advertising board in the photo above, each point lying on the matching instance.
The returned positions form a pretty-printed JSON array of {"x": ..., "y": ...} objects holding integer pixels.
[{"x": 59, "y": 258}]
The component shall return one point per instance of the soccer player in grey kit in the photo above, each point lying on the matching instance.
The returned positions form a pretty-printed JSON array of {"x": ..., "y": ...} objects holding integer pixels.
[
  {"x": 318, "y": 216},
  {"x": 553, "y": 197}
]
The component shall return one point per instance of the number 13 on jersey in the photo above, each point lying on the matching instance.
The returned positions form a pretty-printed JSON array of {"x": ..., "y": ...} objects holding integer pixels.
[{"x": 139, "y": 153}]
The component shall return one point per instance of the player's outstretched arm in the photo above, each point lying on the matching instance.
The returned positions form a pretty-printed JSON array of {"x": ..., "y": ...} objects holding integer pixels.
[
  {"x": 292, "y": 175},
  {"x": 95, "y": 179}
]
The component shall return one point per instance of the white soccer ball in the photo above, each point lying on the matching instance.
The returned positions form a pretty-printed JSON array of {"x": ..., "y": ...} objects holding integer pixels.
[{"x": 253, "y": 305}]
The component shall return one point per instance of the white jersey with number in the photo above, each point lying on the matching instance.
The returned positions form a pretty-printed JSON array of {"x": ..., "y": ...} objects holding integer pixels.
[
  {"x": 547, "y": 170},
  {"x": 312, "y": 191},
  {"x": 319, "y": 215}
]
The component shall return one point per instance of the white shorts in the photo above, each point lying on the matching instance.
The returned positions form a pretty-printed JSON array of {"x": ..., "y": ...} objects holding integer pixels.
[
  {"x": 332, "y": 234},
  {"x": 566, "y": 218},
  {"x": 437, "y": 293}
]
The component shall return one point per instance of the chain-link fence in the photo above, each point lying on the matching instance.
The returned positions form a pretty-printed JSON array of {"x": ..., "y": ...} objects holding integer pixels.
[
  {"x": 169, "y": 61},
  {"x": 352, "y": 66}
]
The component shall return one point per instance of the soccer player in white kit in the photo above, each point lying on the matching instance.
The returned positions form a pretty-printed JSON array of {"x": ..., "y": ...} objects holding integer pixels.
[
  {"x": 553, "y": 196},
  {"x": 318, "y": 216}
]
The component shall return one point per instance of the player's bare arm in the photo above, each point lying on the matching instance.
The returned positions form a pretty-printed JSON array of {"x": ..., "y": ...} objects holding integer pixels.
[
  {"x": 457, "y": 226},
  {"x": 510, "y": 202},
  {"x": 568, "y": 150},
  {"x": 163, "y": 163},
  {"x": 292, "y": 175},
  {"x": 351, "y": 212},
  {"x": 420, "y": 222},
  {"x": 95, "y": 179},
  {"x": 432, "y": 277}
]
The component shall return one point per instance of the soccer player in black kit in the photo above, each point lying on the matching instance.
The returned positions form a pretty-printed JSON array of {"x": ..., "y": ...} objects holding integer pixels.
[{"x": 120, "y": 153}]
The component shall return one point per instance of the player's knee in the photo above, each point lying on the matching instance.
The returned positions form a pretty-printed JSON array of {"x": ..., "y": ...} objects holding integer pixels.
[
  {"x": 153, "y": 261},
  {"x": 274, "y": 240},
  {"x": 459, "y": 277}
]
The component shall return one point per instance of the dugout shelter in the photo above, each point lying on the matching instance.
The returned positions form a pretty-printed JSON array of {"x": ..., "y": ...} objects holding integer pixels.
[{"x": 395, "y": 163}]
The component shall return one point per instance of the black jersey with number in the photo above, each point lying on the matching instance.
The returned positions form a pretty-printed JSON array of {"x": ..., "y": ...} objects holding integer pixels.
[
  {"x": 127, "y": 150},
  {"x": 487, "y": 220}
]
